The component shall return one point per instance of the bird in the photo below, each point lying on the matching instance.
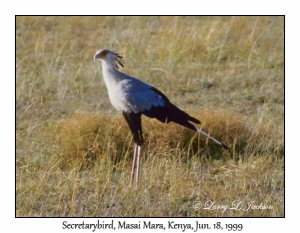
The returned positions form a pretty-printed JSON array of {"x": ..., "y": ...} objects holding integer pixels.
[{"x": 134, "y": 98}]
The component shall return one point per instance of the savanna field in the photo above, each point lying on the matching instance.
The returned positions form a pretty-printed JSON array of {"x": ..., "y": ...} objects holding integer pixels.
[{"x": 74, "y": 150}]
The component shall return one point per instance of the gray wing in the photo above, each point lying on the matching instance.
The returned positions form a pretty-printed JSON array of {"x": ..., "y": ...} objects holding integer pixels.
[{"x": 139, "y": 96}]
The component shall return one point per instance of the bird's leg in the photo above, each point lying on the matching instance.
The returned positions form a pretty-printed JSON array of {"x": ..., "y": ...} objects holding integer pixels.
[
  {"x": 134, "y": 122},
  {"x": 139, "y": 152},
  {"x": 133, "y": 163}
]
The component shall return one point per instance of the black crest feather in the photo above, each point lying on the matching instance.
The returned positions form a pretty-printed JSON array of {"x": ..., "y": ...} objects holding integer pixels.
[{"x": 119, "y": 60}]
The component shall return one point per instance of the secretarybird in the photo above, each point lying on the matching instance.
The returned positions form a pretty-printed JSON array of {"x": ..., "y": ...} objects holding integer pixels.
[{"x": 133, "y": 98}]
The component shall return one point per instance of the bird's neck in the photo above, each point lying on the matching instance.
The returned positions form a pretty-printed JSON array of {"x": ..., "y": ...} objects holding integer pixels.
[
  {"x": 110, "y": 73},
  {"x": 110, "y": 66}
]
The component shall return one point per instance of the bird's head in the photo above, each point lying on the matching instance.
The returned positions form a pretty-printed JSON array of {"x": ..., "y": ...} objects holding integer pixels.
[{"x": 109, "y": 57}]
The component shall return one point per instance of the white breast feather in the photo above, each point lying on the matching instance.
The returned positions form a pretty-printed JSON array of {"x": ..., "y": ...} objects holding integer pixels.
[{"x": 128, "y": 94}]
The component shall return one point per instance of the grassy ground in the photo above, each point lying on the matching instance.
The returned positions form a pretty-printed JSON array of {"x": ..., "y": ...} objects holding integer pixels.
[{"x": 74, "y": 151}]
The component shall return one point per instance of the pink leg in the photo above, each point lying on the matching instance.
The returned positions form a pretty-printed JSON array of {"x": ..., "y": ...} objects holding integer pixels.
[
  {"x": 133, "y": 163},
  {"x": 139, "y": 152}
]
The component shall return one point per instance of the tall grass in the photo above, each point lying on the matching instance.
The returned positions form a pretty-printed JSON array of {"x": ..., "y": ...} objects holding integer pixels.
[{"x": 74, "y": 151}]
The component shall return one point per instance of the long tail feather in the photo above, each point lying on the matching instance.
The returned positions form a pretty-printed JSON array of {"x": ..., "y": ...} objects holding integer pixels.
[{"x": 212, "y": 138}]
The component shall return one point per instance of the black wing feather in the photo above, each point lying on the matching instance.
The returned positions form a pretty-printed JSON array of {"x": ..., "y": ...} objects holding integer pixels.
[{"x": 169, "y": 112}]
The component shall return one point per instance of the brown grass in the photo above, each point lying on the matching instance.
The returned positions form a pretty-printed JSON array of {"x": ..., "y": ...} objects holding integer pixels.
[{"x": 74, "y": 152}]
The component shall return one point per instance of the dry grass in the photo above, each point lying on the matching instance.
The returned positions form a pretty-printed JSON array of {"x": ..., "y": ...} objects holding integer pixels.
[{"x": 74, "y": 151}]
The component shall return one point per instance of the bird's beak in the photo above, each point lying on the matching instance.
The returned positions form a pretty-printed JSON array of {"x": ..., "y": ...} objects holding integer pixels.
[{"x": 96, "y": 57}]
